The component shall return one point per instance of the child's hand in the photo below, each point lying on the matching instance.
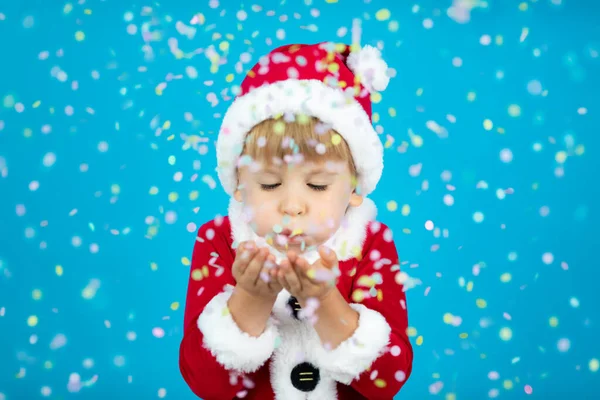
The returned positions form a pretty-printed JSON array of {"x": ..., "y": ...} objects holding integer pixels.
[
  {"x": 304, "y": 280},
  {"x": 254, "y": 270}
]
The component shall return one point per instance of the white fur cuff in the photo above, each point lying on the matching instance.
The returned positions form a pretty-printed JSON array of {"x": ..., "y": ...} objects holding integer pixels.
[
  {"x": 233, "y": 348},
  {"x": 356, "y": 354}
]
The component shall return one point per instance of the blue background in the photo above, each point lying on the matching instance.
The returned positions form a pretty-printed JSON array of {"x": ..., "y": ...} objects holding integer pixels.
[{"x": 110, "y": 339}]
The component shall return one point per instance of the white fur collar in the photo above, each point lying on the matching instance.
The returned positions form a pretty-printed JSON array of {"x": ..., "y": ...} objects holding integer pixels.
[{"x": 346, "y": 242}]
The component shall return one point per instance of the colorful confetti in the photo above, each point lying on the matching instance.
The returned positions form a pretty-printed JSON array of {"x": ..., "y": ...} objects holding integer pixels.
[{"x": 108, "y": 119}]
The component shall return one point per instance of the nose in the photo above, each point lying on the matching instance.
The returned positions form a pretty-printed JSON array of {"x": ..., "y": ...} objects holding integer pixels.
[{"x": 293, "y": 205}]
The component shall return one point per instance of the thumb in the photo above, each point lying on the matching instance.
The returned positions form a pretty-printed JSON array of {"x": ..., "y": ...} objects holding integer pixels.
[{"x": 328, "y": 257}]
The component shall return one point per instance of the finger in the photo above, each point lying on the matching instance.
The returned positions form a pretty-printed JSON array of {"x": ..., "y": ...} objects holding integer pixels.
[
  {"x": 328, "y": 257},
  {"x": 252, "y": 273},
  {"x": 292, "y": 256},
  {"x": 243, "y": 257},
  {"x": 266, "y": 273},
  {"x": 292, "y": 278},
  {"x": 281, "y": 276}
]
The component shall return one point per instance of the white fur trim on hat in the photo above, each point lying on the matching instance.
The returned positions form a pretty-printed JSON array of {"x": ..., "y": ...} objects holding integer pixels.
[
  {"x": 370, "y": 67},
  {"x": 331, "y": 105}
]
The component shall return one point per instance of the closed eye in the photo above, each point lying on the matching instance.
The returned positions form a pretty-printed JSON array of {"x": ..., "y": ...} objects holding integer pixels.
[
  {"x": 318, "y": 188},
  {"x": 270, "y": 187}
]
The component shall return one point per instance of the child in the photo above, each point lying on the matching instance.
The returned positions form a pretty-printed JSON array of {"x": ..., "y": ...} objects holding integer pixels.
[{"x": 297, "y": 293}]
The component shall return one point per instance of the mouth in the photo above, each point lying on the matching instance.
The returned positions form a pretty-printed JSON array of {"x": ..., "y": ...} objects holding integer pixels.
[{"x": 290, "y": 236}]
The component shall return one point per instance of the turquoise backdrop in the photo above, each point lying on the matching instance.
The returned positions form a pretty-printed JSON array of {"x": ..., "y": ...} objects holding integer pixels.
[{"x": 109, "y": 111}]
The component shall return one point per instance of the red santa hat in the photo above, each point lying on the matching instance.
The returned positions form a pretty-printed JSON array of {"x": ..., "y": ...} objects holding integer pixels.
[{"x": 324, "y": 80}]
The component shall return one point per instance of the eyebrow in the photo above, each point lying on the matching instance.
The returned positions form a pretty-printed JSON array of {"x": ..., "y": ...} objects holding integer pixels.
[{"x": 312, "y": 172}]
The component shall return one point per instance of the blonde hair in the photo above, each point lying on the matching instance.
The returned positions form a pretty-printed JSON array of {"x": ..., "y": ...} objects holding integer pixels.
[{"x": 272, "y": 140}]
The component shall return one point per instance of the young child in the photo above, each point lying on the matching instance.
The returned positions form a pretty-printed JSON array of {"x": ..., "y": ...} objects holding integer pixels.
[{"x": 297, "y": 293}]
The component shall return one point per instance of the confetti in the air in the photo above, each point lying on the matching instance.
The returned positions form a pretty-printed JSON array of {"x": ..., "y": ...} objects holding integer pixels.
[{"x": 108, "y": 125}]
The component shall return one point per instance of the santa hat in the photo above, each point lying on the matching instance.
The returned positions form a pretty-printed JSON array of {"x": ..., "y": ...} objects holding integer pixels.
[{"x": 324, "y": 80}]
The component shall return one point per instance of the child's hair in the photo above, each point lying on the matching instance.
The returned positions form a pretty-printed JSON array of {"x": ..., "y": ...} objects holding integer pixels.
[{"x": 278, "y": 137}]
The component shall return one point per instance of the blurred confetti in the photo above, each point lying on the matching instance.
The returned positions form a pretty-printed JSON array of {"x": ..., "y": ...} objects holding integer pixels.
[{"x": 108, "y": 117}]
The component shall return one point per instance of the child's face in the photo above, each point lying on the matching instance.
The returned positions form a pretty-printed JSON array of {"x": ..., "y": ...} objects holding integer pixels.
[{"x": 300, "y": 205}]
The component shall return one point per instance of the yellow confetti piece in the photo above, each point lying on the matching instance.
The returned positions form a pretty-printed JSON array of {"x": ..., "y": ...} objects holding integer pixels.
[
  {"x": 523, "y": 6},
  {"x": 488, "y": 124},
  {"x": 358, "y": 296},
  {"x": 392, "y": 205},
  {"x": 225, "y": 311},
  {"x": 411, "y": 331},
  {"x": 58, "y": 270},
  {"x": 419, "y": 340},
  {"x": 167, "y": 125},
  {"x": 470, "y": 286},
  {"x": 553, "y": 322},
  {"x": 416, "y": 140},
  {"x": 48, "y": 365},
  {"x": 153, "y": 266},
  {"x": 197, "y": 274},
  {"x": 194, "y": 194},
  {"x": 224, "y": 46},
  {"x": 380, "y": 383},
  {"x": 229, "y": 78},
  {"x": 481, "y": 303},
  {"x": 185, "y": 261},
  {"x": 450, "y": 396},
  {"x": 579, "y": 150},
  {"x": 507, "y": 384},
  {"x": 561, "y": 157},
  {"x": 36, "y": 104},
  {"x": 505, "y": 277},
  {"x": 331, "y": 1},
  {"x": 87, "y": 11},
  {"x": 405, "y": 210},
  {"x": 448, "y": 318},
  {"x": 506, "y": 334},
  {"x": 336, "y": 139},
  {"x": 376, "y": 97},
  {"x": 514, "y": 110},
  {"x": 36, "y": 294},
  {"x": 383, "y": 14},
  {"x": 471, "y": 96},
  {"x": 463, "y": 335},
  {"x": 153, "y": 190},
  {"x": 173, "y": 196},
  {"x": 32, "y": 321},
  {"x": 594, "y": 365},
  {"x": 79, "y": 36},
  {"x": 392, "y": 111},
  {"x": 175, "y": 305}
]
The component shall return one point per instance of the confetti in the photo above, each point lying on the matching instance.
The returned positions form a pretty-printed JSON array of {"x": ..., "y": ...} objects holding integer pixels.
[{"x": 107, "y": 150}]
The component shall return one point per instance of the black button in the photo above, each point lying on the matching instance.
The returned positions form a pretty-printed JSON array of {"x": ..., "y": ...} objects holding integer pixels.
[
  {"x": 305, "y": 377},
  {"x": 294, "y": 306}
]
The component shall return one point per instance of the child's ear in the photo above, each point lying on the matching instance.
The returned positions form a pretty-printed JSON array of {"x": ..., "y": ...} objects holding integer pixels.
[
  {"x": 237, "y": 195},
  {"x": 355, "y": 200}
]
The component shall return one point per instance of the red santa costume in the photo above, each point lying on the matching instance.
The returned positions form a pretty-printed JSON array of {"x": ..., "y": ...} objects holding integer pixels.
[{"x": 288, "y": 361}]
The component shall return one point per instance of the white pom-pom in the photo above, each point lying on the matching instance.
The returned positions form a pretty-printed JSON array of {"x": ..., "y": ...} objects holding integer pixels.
[{"x": 368, "y": 64}]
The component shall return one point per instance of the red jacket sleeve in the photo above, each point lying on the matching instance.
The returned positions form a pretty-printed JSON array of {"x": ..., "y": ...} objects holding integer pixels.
[
  {"x": 377, "y": 360},
  {"x": 214, "y": 353}
]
